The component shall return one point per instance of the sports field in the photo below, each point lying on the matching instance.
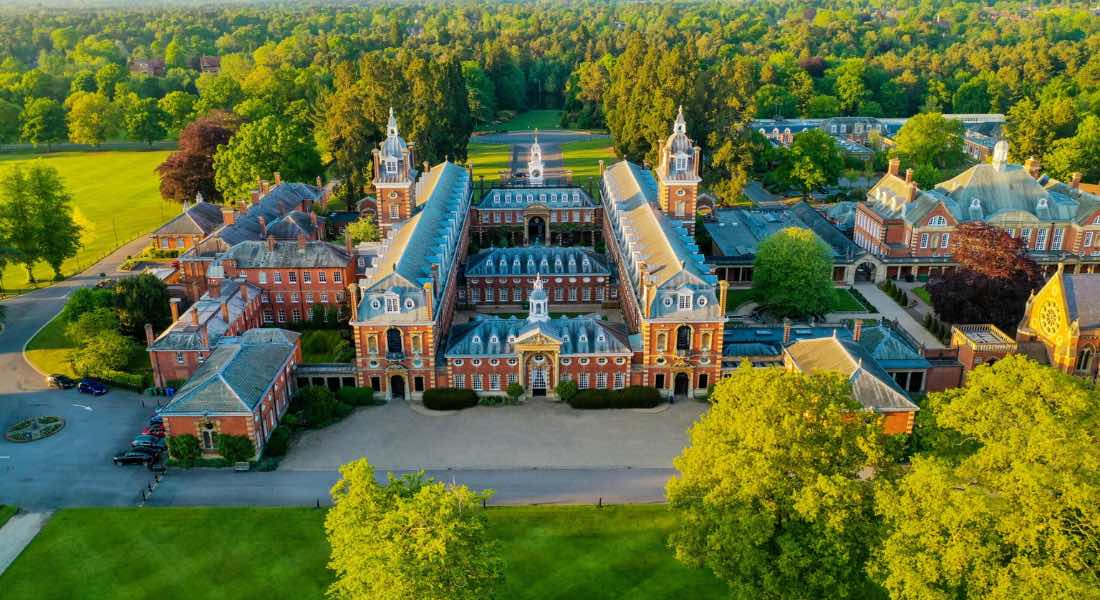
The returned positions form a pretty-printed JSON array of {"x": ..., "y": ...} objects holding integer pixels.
[{"x": 116, "y": 198}]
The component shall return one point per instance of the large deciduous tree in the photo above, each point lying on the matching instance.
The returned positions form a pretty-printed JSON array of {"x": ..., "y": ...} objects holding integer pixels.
[
  {"x": 931, "y": 139},
  {"x": 144, "y": 121},
  {"x": 43, "y": 121},
  {"x": 363, "y": 230},
  {"x": 792, "y": 275},
  {"x": 36, "y": 217},
  {"x": 1077, "y": 154},
  {"x": 347, "y": 130},
  {"x": 812, "y": 162},
  {"x": 91, "y": 119},
  {"x": 411, "y": 537},
  {"x": 190, "y": 170},
  {"x": 992, "y": 283},
  {"x": 140, "y": 300},
  {"x": 773, "y": 494},
  {"x": 259, "y": 149},
  {"x": 1019, "y": 515}
]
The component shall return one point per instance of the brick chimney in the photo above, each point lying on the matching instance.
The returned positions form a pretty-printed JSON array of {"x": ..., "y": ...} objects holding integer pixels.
[
  {"x": 263, "y": 227},
  {"x": 215, "y": 288},
  {"x": 1033, "y": 166},
  {"x": 225, "y": 311},
  {"x": 909, "y": 176},
  {"x": 894, "y": 166},
  {"x": 255, "y": 196},
  {"x": 270, "y": 243},
  {"x": 857, "y": 330},
  {"x": 353, "y": 300},
  {"x": 1075, "y": 181},
  {"x": 301, "y": 241},
  {"x": 243, "y": 286},
  {"x": 347, "y": 244},
  {"x": 149, "y": 338},
  {"x": 278, "y": 178},
  {"x": 205, "y": 337},
  {"x": 229, "y": 215},
  {"x": 174, "y": 306},
  {"x": 195, "y": 316},
  {"x": 313, "y": 219},
  {"x": 786, "y": 331}
]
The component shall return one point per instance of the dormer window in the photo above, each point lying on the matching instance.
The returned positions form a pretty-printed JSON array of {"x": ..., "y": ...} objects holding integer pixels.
[
  {"x": 391, "y": 166},
  {"x": 392, "y": 305},
  {"x": 684, "y": 301},
  {"x": 494, "y": 340},
  {"x": 475, "y": 340},
  {"x": 937, "y": 221},
  {"x": 680, "y": 163}
]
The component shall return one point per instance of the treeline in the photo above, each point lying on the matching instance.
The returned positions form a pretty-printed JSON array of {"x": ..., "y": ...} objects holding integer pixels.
[{"x": 626, "y": 66}]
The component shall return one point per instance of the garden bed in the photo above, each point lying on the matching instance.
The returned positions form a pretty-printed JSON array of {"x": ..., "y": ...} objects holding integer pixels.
[{"x": 34, "y": 429}]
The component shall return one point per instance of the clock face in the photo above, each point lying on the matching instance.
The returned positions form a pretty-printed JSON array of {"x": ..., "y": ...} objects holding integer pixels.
[
  {"x": 1050, "y": 318},
  {"x": 535, "y": 172}
]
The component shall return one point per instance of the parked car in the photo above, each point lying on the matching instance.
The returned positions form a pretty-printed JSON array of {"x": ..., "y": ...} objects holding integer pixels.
[
  {"x": 105, "y": 283},
  {"x": 150, "y": 441},
  {"x": 61, "y": 382},
  {"x": 156, "y": 420},
  {"x": 137, "y": 456},
  {"x": 91, "y": 386},
  {"x": 154, "y": 430}
]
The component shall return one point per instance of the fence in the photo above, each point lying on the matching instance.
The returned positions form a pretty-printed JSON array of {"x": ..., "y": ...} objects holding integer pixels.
[{"x": 67, "y": 147}]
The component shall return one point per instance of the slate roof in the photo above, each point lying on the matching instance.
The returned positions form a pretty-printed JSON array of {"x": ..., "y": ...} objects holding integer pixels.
[
  {"x": 1082, "y": 299},
  {"x": 236, "y": 375},
  {"x": 184, "y": 335},
  {"x": 537, "y": 260},
  {"x": 872, "y": 386},
  {"x": 520, "y": 198},
  {"x": 645, "y": 234},
  {"x": 882, "y": 343},
  {"x": 200, "y": 218},
  {"x": 293, "y": 224},
  {"x": 287, "y": 255},
  {"x": 277, "y": 202},
  {"x": 737, "y": 232},
  {"x": 570, "y": 331}
]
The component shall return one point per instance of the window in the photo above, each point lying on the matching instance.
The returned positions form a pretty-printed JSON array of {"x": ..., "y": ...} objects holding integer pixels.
[
  {"x": 209, "y": 439},
  {"x": 268, "y": 317},
  {"x": 179, "y": 358},
  {"x": 392, "y": 305},
  {"x": 587, "y": 294},
  {"x": 460, "y": 381},
  {"x": 1025, "y": 235},
  {"x": 475, "y": 296},
  {"x": 937, "y": 221},
  {"x": 620, "y": 381},
  {"x": 703, "y": 381},
  {"x": 261, "y": 277},
  {"x": 684, "y": 301},
  {"x": 295, "y": 315},
  {"x": 599, "y": 294},
  {"x": 278, "y": 277},
  {"x": 393, "y": 211},
  {"x": 324, "y": 298},
  {"x": 1041, "y": 240},
  {"x": 572, "y": 294},
  {"x": 601, "y": 381},
  {"x": 489, "y": 295},
  {"x": 282, "y": 315},
  {"x": 582, "y": 382},
  {"x": 337, "y": 277},
  {"x": 477, "y": 383},
  {"x": 279, "y": 297},
  {"x": 265, "y": 298},
  {"x": 512, "y": 378},
  {"x": 944, "y": 239},
  {"x": 391, "y": 166},
  {"x": 294, "y": 297},
  {"x": 517, "y": 294},
  {"x": 320, "y": 277},
  {"x": 309, "y": 297},
  {"x": 681, "y": 163},
  {"x": 1088, "y": 239},
  {"x": 1056, "y": 243},
  {"x": 494, "y": 382},
  {"x": 924, "y": 240}
]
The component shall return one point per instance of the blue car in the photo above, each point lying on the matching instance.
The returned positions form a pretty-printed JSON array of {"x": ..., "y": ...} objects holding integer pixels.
[{"x": 91, "y": 386}]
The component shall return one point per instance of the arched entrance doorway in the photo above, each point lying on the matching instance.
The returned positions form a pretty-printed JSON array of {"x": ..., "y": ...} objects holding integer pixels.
[
  {"x": 538, "y": 374},
  {"x": 682, "y": 385},
  {"x": 865, "y": 272},
  {"x": 397, "y": 387},
  {"x": 536, "y": 230}
]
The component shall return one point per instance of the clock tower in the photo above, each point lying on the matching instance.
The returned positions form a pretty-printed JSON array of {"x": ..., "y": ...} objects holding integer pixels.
[
  {"x": 535, "y": 169},
  {"x": 678, "y": 175},
  {"x": 394, "y": 178}
]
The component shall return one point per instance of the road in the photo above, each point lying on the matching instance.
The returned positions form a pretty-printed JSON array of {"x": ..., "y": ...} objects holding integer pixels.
[{"x": 559, "y": 136}]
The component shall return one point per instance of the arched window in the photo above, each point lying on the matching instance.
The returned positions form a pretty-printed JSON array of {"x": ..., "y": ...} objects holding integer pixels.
[
  {"x": 937, "y": 221},
  {"x": 683, "y": 338},
  {"x": 662, "y": 342},
  {"x": 393, "y": 341},
  {"x": 1084, "y": 360}
]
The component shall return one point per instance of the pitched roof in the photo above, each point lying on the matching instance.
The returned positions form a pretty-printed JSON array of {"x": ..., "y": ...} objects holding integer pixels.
[
  {"x": 519, "y": 198},
  {"x": 738, "y": 231},
  {"x": 237, "y": 374},
  {"x": 535, "y": 260},
  {"x": 277, "y": 202},
  {"x": 185, "y": 335},
  {"x": 293, "y": 224},
  {"x": 200, "y": 218},
  {"x": 1082, "y": 298},
  {"x": 872, "y": 386},
  {"x": 287, "y": 255},
  {"x": 581, "y": 335}
]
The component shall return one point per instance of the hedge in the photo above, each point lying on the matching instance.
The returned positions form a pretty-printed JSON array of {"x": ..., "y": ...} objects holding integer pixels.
[
  {"x": 449, "y": 399},
  {"x": 635, "y": 396},
  {"x": 131, "y": 381},
  {"x": 184, "y": 449},
  {"x": 278, "y": 442},
  {"x": 356, "y": 396},
  {"x": 235, "y": 448}
]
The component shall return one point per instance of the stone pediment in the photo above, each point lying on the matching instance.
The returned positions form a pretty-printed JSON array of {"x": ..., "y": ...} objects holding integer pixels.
[{"x": 536, "y": 338}]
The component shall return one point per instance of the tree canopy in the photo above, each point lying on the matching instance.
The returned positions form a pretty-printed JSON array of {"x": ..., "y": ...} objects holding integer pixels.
[
  {"x": 190, "y": 170},
  {"x": 792, "y": 275},
  {"x": 930, "y": 139}
]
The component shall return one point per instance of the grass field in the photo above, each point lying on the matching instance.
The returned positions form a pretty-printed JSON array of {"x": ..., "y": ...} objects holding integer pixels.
[
  {"x": 846, "y": 302},
  {"x": 6, "y": 512},
  {"x": 532, "y": 119},
  {"x": 551, "y": 553},
  {"x": 583, "y": 158},
  {"x": 489, "y": 160},
  {"x": 115, "y": 197},
  {"x": 922, "y": 293},
  {"x": 735, "y": 297},
  {"x": 49, "y": 348}
]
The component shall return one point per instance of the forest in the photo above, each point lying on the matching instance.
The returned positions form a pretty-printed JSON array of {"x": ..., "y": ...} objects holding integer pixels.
[{"x": 320, "y": 78}]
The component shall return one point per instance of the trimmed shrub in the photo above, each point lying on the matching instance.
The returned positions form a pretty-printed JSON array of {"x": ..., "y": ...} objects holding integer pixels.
[
  {"x": 291, "y": 421},
  {"x": 278, "y": 442},
  {"x": 184, "y": 449},
  {"x": 514, "y": 391},
  {"x": 635, "y": 396},
  {"x": 449, "y": 399},
  {"x": 566, "y": 390},
  {"x": 318, "y": 405},
  {"x": 131, "y": 381},
  {"x": 235, "y": 448},
  {"x": 355, "y": 396}
]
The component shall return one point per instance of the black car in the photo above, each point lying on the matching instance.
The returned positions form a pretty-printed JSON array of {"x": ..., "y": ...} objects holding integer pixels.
[
  {"x": 156, "y": 420},
  {"x": 61, "y": 382},
  {"x": 91, "y": 386},
  {"x": 137, "y": 456},
  {"x": 150, "y": 441}
]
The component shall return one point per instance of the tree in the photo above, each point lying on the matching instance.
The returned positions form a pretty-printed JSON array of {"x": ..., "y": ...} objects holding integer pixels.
[
  {"x": 190, "y": 170},
  {"x": 179, "y": 109},
  {"x": 993, "y": 281},
  {"x": 106, "y": 352},
  {"x": 37, "y": 218},
  {"x": 363, "y": 230},
  {"x": 727, "y": 135},
  {"x": 1032, "y": 127},
  {"x": 144, "y": 121},
  {"x": 90, "y": 324},
  {"x": 85, "y": 300},
  {"x": 851, "y": 87},
  {"x": 1016, "y": 516},
  {"x": 411, "y": 537},
  {"x": 347, "y": 134},
  {"x": 775, "y": 101},
  {"x": 9, "y": 122},
  {"x": 972, "y": 97},
  {"x": 217, "y": 92},
  {"x": 812, "y": 162},
  {"x": 792, "y": 275},
  {"x": 823, "y": 107},
  {"x": 91, "y": 118},
  {"x": 108, "y": 77},
  {"x": 931, "y": 139},
  {"x": 261, "y": 148},
  {"x": 43, "y": 121},
  {"x": 566, "y": 390},
  {"x": 771, "y": 493},
  {"x": 1077, "y": 154},
  {"x": 480, "y": 94},
  {"x": 140, "y": 300},
  {"x": 514, "y": 391}
]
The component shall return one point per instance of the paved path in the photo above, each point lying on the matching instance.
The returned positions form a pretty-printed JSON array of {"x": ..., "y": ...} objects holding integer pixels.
[
  {"x": 17, "y": 533},
  {"x": 892, "y": 310},
  {"x": 555, "y": 136},
  {"x": 553, "y": 161}
]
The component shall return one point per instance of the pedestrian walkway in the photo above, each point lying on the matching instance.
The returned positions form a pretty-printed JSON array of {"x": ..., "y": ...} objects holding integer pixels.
[
  {"x": 17, "y": 533},
  {"x": 893, "y": 311}
]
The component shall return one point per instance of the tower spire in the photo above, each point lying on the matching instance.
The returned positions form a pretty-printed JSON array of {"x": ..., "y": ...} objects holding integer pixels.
[
  {"x": 538, "y": 303},
  {"x": 391, "y": 125}
]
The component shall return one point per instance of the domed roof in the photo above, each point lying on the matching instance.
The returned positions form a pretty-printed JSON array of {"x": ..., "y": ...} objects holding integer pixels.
[
  {"x": 678, "y": 142},
  {"x": 394, "y": 146}
]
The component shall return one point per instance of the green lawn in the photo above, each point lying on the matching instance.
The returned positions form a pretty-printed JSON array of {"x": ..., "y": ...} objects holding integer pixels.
[
  {"x": 551, "y": 552},
  {"x": 527, "y": 121},
  {"x": 49, "y": 349},
  {"x": 489, "y": 160},
  {"x": 923, "y": 294},
  {"x": 6, "y": 512},
  {"x": 735, "y": 297},
  {"x": 847, "y": 302},
  {"x": 583, "y": 158},
  {"x": 116, "y": 199}
]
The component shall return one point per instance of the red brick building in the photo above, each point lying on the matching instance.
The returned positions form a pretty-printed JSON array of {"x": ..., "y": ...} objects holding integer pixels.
[
  {"x": 537, "y": 215},
  {"x": 243, "y": 388},
  {"x": 507, "y": 275}
]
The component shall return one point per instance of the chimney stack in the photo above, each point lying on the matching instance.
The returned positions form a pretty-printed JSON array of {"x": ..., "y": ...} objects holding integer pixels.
[
  {"x": 255, "y": 196},
  {"x": 894, "y": 167},
  {"x": 350, "y": 247},
  {"x": 263, "y": 227},
  {"x": 278, "y": 178},
  {"x": 1075, "y": 181},
  {"x": 243, "y": 286},
  {"x": 353, "y": 300},
  {"x": 225, "y": 311},
  {"x": 426, "y": 167},
  {"x": 786, "y": 331},
  {"x": 1033, "y": 166},
  {"x": 270, "y": 243},
  {"x": 857, "y": 330},
  {"x": 229, "y": 215},
  {"x": 149, "y": 338},
  {"x": 215, "y": 288},
  {"x": 174, "y": 306},
  {"x": 205, "y": 337},
  {"x": 301, "y": 241},
  {"x": 195, "y": 316},
  {"x": 313, "y": 219},
  {"x": 909, "y": 176}
]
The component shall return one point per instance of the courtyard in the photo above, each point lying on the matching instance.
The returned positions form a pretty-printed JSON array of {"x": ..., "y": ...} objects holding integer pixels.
[{"x": 539, "y": 433}]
